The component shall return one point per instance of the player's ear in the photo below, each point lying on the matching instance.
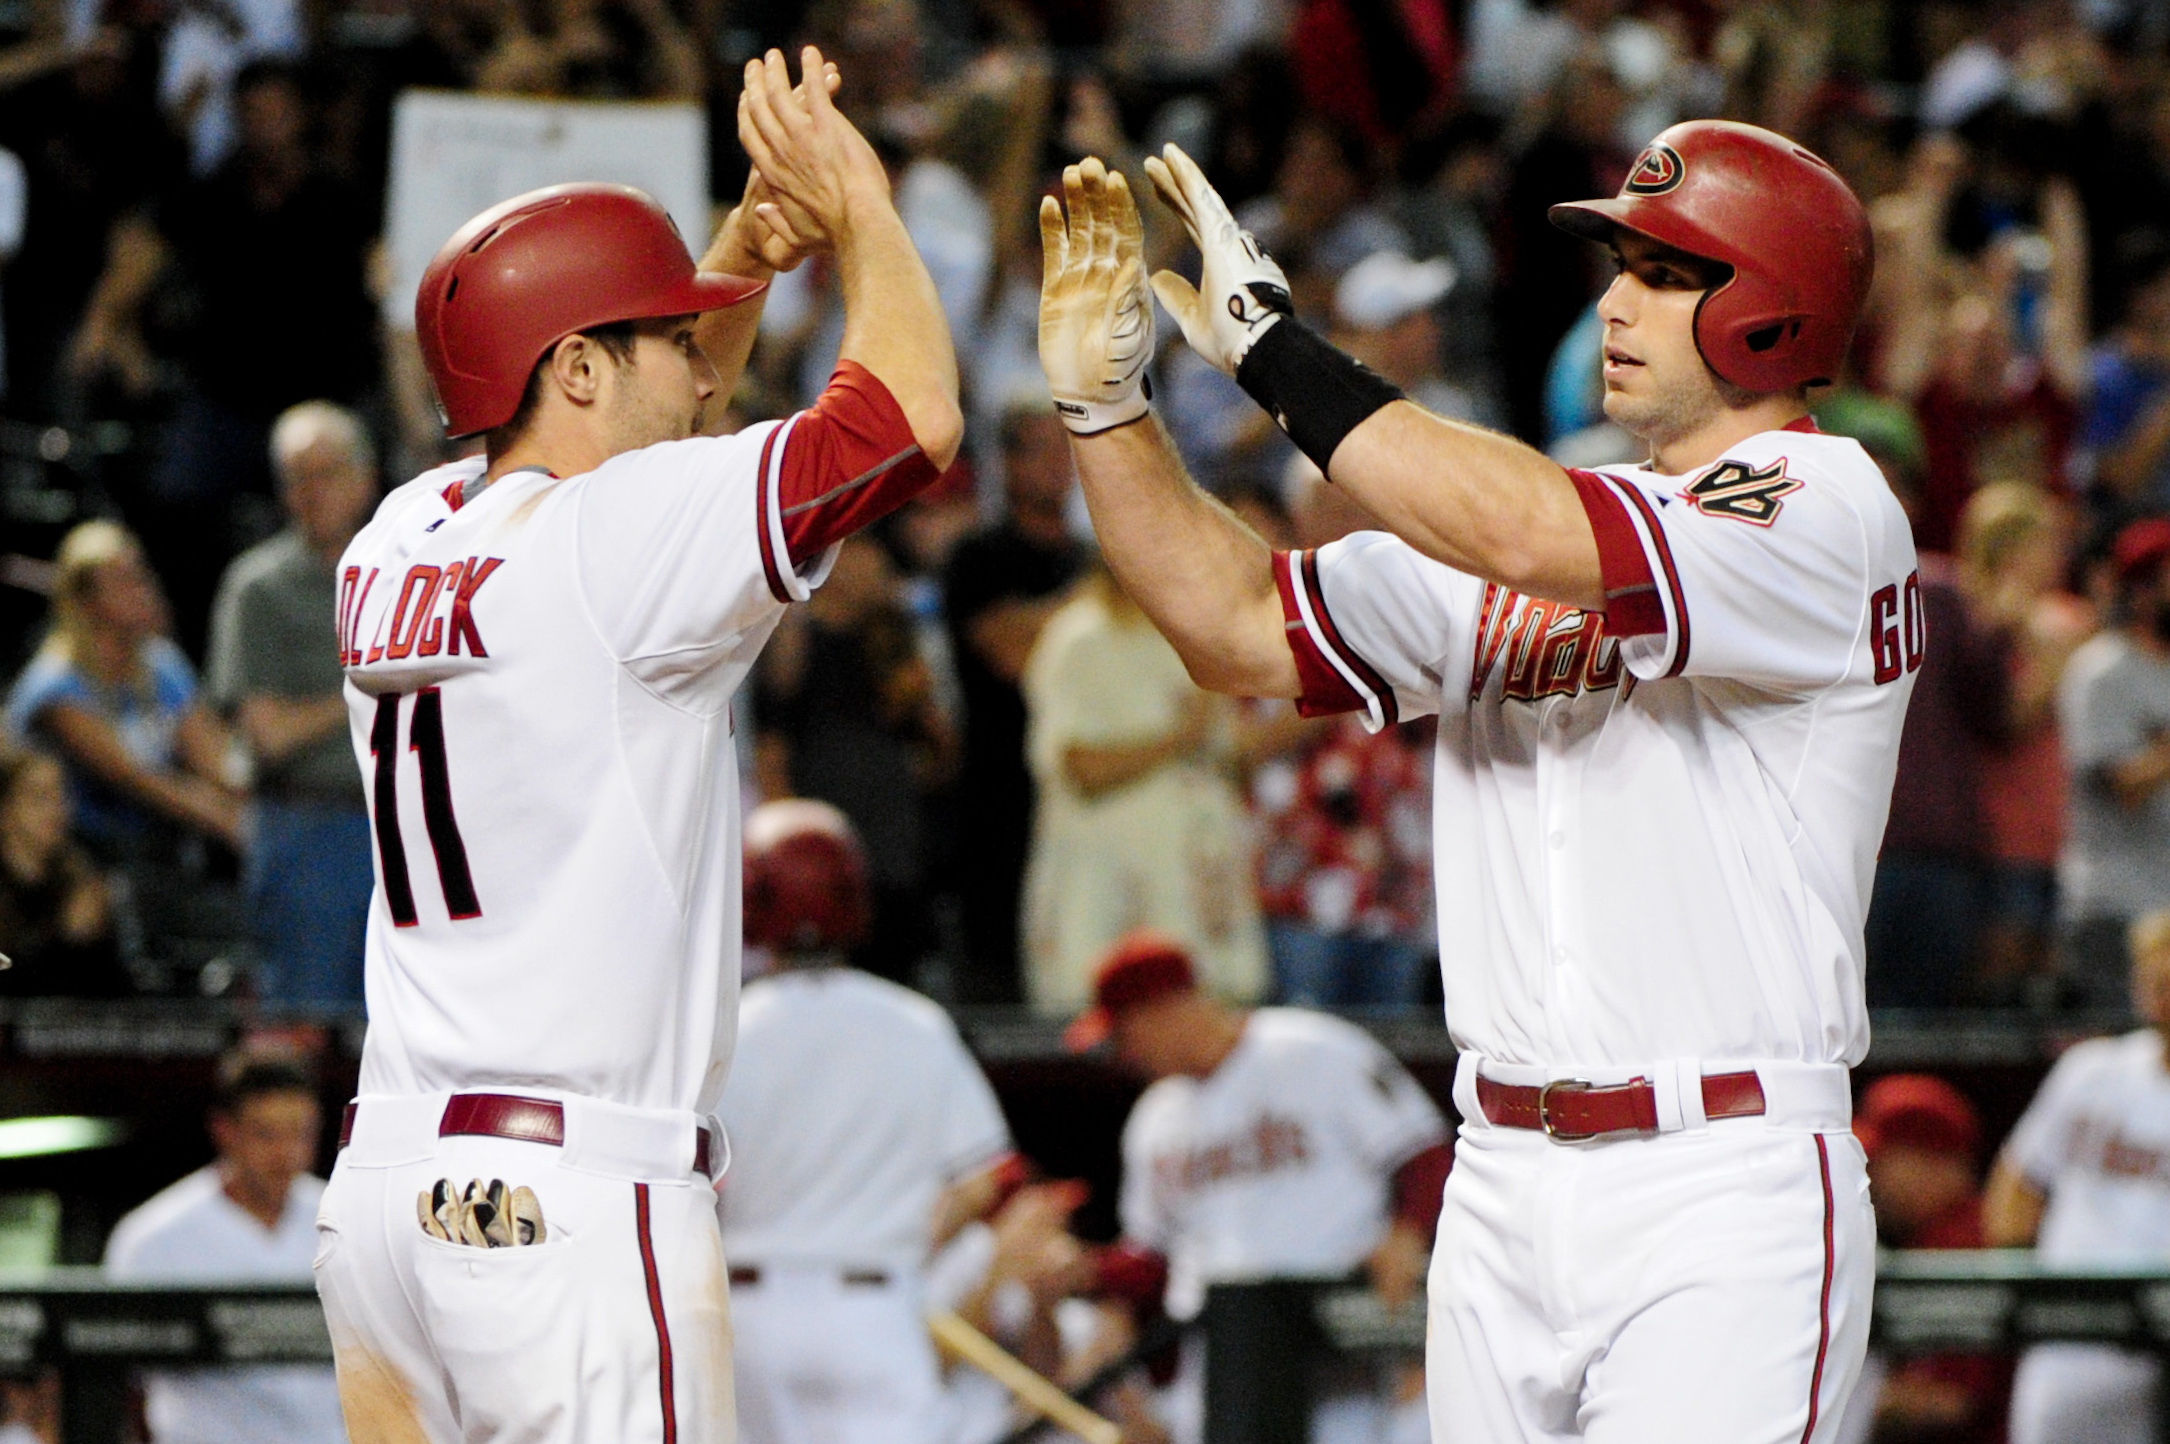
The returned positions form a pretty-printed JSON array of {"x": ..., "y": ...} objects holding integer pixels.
[{"x": 576, "y": 368}]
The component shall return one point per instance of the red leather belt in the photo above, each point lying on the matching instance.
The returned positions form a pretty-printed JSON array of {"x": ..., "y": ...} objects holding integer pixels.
[
  {"x": 1571, "y": 1110},
  {"x": 505, "y": 1115}
]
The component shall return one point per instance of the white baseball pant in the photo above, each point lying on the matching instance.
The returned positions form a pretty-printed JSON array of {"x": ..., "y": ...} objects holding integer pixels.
[
  {"x": 829, "y": 1354},
  {"x": 614, "y": 1330},
  {"x": 2084, "y": 1394},
  {"x": 1704, "y": 1286}
]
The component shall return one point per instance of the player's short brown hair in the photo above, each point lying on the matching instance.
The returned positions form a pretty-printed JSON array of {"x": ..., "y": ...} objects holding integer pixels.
[{"x": 616, "y": 339}]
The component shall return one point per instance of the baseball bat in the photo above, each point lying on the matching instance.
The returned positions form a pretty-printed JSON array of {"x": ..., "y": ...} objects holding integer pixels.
[{"x": 1038, "y": 1392}]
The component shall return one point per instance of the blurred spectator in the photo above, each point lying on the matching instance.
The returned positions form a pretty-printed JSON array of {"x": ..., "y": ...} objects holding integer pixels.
[
  {"x": 2085, "y": 1180},
  {"x": 2114, "y": 710},
  {"x": 249, "y": 1214},
  {"x": 999, "y": 589},
  {"x": 2128, "y": 420},
  {"x": 276, "y": 675},
  {"x": 232, "y": 261},
  {"x": 93, "y": 147},
  {"x": 1139, "y": 822},
  {"x": 1384, "y": 71},
  {"x": 593, "y": 50},
  {"x": 2012, "y": 561},
  {"x": 1322, "y": 215},
  {"x": 56, "y": 924},
  {"x": 1933, "y": 877},
  {"x": 1386, "y": 315},
  {"x": 848, "y": 715},
  {"x": 1923, "y": 1139},
  {"x": 1451, "y": 216},
  {"x": 1272, "y": 1150},
  {"x": 1992, "y": 350},
  {"x": 205, "y": 51},
  {"x": 118, "y": 702}
]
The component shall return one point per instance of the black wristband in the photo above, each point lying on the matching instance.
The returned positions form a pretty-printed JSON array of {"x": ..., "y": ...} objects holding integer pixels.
[{"x": 1315, "y": 393}]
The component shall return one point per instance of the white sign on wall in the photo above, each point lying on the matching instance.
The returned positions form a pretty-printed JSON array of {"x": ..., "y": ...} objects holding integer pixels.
[{"x": 456, "y": 154}]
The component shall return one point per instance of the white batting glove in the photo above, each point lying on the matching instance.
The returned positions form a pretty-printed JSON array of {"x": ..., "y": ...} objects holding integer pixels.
[
  {"x": 1241, "y": 292},
  {"x": 1096, "y": 324}
]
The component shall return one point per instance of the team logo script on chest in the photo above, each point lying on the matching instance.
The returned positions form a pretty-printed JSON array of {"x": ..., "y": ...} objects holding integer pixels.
[
  {"x": 1547, "y": 649},
  {"x": 1740, "y": 492}
]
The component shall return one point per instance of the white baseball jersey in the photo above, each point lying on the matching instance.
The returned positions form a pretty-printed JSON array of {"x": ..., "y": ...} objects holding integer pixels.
[
  {"x": 539, "y": 678},
  {"x": 2096, "y": 1139},
  {"x": 1280, "y": 1163},
  {"x": 193, "y": 1231},
  {"x": 852, "y": 1103},
  {"x": 1655, "y": 829}
]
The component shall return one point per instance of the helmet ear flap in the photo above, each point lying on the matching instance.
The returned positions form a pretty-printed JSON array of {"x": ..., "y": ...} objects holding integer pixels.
[{"x": 1749, "y": 336}]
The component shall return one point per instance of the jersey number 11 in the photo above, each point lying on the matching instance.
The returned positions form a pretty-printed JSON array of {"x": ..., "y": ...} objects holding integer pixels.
[{"x": 426, "y": 739}]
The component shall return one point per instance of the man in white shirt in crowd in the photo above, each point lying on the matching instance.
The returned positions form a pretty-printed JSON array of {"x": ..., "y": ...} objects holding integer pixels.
[{"x": 248, "y": 1214}]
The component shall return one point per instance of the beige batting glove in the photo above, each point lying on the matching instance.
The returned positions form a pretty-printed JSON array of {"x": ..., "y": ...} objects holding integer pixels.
[
  {"x": 1241, "y": 292},
  {"x": 1096, "y": 322}
]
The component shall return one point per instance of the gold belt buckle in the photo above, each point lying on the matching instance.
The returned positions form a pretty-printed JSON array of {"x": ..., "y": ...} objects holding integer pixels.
[{"x": 1544, "y": 1108}]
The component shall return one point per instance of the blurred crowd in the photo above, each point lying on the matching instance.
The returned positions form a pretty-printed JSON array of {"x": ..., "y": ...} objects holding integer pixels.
[{"x": 201, "y": 401}]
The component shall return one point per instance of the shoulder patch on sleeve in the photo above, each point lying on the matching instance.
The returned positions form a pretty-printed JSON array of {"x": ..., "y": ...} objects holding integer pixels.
[{"x": 1739, "y": 491}]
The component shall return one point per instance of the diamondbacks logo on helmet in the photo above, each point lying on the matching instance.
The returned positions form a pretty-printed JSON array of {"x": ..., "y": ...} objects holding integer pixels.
[
  {"x": 1657, "y": 171},
  {"x": 1740, "y": 492}
]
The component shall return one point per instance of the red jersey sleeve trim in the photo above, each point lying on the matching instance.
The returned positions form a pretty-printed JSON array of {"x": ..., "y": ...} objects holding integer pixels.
[
  {"x": 1335, "y": 679},
  {"x": 1676, "y": 599},
  {"x": 1632, "y": 606},
  {"x": 783, "y": 580},
  {"x": 847, "y": 461}
]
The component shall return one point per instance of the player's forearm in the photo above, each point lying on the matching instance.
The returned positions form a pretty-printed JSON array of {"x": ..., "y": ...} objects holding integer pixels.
[
  {"x": 1480, "y": 502},
  {"x": 727, "y": 336},
  {"x": 1204, "y": 578},
  {"x": 894, "y": 325}
]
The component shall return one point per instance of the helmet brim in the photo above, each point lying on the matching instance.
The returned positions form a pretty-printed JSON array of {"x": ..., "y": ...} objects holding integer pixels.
[
  {"x": 1591, "y": 220},
  {"x": 701, "y": 291}
]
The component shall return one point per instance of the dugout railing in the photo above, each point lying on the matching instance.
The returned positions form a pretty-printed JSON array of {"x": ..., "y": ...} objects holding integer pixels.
[{"x": 97, "y": 1333}]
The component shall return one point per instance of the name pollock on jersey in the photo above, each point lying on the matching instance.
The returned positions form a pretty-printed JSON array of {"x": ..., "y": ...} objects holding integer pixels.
[{"x": 413, "y": 625}]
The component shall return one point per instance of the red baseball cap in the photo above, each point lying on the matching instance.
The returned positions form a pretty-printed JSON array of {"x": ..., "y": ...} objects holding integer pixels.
[
  {"x": 1143, "y": 965},
  {"x": 1920, "y": 1111},
  {"x": 2143, "y": 545}
]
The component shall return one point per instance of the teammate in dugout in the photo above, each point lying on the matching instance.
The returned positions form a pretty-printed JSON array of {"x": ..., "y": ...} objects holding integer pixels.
[
  {"x": 863, "y": 1137},
  {"x": 519, "y": 1239},
  {"x": 1669, "y": 701}
]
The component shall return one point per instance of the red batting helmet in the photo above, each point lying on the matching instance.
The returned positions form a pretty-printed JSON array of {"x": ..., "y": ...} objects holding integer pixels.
[
  {"x": 806, "y": 884},
  {"x": 527, "y": 273},
  {"x": 1793, "y": 232}
]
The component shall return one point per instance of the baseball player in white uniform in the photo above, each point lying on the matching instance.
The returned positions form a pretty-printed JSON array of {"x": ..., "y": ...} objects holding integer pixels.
[
  {"x": 857, "y": 1119},
  {"x": 1669, "y": 702},
  {"x": 519, "y": 1240},
  {"x": 1275, "y": 1144},
  {"x": 2085, "y": 1180}
]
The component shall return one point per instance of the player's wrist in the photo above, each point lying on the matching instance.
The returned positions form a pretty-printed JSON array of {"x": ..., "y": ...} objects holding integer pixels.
[
  {"x": 1090, "y": 418},
  {"x": 1313, "y": 391}
]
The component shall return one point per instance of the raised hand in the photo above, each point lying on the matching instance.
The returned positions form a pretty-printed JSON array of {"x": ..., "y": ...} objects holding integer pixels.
[
  {"x": 1096, "y": 325},
  {"x": 816, "y": 164},
  {"x": 1241, "y": 293}
]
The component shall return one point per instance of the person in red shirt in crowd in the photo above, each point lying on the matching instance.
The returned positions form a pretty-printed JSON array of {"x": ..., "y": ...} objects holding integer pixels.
[{"x": 1923, "y": 1139}]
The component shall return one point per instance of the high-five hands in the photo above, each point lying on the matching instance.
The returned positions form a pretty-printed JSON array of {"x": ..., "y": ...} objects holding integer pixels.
[
  {"x": 1241, "y": 293},
  {"x": 813, "y": 163},
  {"x": 1096, "y": 325}
]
